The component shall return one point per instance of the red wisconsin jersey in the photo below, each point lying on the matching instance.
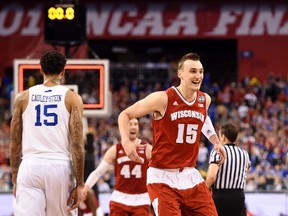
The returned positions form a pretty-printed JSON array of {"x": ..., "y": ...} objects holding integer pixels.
[
  {"x": 130, "y": 176},
  {"x": 177, "y": 134}
]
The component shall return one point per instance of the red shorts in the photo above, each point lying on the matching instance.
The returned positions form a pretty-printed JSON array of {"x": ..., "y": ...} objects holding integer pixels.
[
  {"x": 171, "y": 201},
  {"x": 118, "y": 209}
]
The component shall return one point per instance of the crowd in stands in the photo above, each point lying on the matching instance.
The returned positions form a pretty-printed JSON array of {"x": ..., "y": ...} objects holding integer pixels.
[{"x": 259, "y": 108}]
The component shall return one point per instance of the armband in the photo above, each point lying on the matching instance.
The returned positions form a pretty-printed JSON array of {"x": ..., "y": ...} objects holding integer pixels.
[
  {"x": 208, "y": 128},
  {"x": 97, "y": 173}
]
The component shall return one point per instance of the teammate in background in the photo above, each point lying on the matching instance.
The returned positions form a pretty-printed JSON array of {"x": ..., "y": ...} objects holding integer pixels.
[
  {"x": 46, "y": 134},
  {"x": 174, "y": 185},
  {"x": 130, "y": 196},
  {"x": 228, "y": 180}
]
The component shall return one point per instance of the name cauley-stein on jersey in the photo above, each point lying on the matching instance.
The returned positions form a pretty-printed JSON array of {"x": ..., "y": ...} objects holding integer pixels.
[{"x": 43, "y": 98}]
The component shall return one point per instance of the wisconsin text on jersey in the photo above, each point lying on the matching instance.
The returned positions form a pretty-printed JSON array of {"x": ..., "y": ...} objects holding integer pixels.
[
  {"x": 42, "y": 98},
  {"x": 187, "y": 114},
  {"x": 125, "y": 159}
]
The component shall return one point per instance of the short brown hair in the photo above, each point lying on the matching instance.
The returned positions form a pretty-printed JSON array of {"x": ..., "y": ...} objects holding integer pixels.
[
  {"x": 230, "y": 131},
  {"x": 188, "y": 56}
]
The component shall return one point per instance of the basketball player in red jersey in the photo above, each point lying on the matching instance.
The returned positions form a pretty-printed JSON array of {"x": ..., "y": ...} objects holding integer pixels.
[
  {"x": 130, "y": 196},
  {"x": 174, "y": 185}
]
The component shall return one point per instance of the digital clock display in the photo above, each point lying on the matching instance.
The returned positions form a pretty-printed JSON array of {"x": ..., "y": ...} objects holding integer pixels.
[
  {"x": 61, "y": 13},
  {"x": 65, "y": 24}
]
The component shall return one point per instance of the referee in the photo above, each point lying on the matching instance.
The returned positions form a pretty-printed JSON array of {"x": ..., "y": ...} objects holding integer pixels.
[{"x": 228, "y": 180}]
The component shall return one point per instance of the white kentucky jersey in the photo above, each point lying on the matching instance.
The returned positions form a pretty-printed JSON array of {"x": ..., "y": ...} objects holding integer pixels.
[{"x": 46, "y": 124}]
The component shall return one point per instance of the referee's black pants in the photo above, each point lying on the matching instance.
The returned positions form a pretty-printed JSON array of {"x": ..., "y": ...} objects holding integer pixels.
[{"x": 229, "y": 202}]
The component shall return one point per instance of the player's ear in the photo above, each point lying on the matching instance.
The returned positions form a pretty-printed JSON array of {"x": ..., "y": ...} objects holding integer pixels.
[
  {"x": 221, "y": 136},
  {"x": 179, "y": 73},
  {"x": 41, "y": 72},
  {"x": 62, "y": 74}
]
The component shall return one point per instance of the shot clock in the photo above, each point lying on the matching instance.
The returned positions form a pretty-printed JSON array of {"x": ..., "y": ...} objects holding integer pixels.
[
  {"x": 64, "y": 24},
  {"x": 61, "y": 13}
]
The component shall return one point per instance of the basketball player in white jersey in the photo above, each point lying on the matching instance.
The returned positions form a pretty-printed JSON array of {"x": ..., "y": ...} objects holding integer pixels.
[{"x": 47, "y": 150}]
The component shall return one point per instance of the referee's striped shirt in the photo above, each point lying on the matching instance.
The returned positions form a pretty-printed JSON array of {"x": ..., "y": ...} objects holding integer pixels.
[{"x": 232, "y": 173}]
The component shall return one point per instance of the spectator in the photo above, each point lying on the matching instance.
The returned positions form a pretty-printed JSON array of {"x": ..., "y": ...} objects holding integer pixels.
[
  {"x": 278, "y": 183},
  {"x": 261, "y": 183},
  {"x": 202, "y": 156},
  {"x": 103, "y": 187},
  {"x": 250, "y": 98},
  {"x": 251, "y": 185}
]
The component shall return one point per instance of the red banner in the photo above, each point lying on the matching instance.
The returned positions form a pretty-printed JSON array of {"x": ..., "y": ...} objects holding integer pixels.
[{"x": 21, "y": 26}]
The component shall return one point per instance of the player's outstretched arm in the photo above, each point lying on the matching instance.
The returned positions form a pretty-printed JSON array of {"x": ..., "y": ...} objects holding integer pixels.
[
  {"x": 104, "y": 165},
  {"x": 154, "y": 103}
]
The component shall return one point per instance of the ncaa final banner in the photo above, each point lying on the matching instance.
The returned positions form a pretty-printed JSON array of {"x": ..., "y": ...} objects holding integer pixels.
[
  {"x": 150, "y": 20},
  {"x": 258, "y": 28}
]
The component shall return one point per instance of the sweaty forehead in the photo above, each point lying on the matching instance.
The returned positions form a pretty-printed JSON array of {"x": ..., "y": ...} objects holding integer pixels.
[
  {"x": 191, "y": 64},
  {"x": 134, "y": 121}
]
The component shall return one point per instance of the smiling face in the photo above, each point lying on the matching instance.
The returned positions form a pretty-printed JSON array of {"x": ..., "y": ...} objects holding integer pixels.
[
  {"x": 133, "y": 128},
  {"x": 191, "y": 74}
]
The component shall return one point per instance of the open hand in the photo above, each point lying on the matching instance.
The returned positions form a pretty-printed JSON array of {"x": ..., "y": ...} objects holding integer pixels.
[
  {"x": 130, "y": 150},
  {"x": 74, "y": 199},
  {"x": 84, "y": 192}
]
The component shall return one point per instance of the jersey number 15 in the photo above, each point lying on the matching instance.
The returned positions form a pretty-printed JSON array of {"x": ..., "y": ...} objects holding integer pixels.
[
  {"x": 49, "y": 117},
  {"x": 190, "y": 136}
]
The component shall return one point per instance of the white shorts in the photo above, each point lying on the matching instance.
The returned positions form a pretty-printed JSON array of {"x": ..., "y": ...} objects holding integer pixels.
[
  {"x": 43, "y": 187},
  {"x": 181, "y": 179}
]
